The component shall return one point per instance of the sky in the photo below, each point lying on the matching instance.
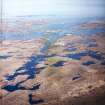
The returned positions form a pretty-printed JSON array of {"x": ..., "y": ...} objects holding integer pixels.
[{"x": 53, "y": 7}]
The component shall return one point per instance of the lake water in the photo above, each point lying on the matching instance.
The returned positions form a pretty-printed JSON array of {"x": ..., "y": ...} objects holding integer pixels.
[{"x": 26, "y": 28}]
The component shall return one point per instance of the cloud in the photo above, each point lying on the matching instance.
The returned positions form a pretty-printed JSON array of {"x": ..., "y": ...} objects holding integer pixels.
[{"x": 41, "y": 7}]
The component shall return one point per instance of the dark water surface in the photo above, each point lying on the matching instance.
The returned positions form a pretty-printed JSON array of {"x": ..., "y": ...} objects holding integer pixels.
[{"x": 52, "y": 30}]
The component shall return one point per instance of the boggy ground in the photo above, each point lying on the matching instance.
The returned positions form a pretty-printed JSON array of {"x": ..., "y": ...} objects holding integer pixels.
[
  {"x": 17, "y": 65},
  {"x": 76, "y": 75},
  {"x": 72, "y": 72}
]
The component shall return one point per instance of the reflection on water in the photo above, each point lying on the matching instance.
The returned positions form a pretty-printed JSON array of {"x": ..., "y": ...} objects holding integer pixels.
[
  {"x": 33, "y": 28},
  {"x": 60, "y": 63},
  {"x": 88, "y": 63},
  {"x": 28, "y": 68},
  {"x": 31, "y": 101},
  {"x": 12, "y": 88},
  {"x": 4, "y": 57},
  {"x": 93, "y": 54},
  {"x": 52, "y": 30}
]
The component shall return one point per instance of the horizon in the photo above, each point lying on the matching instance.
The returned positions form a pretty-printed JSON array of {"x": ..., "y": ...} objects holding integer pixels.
[{"x": 53, "y": 7}]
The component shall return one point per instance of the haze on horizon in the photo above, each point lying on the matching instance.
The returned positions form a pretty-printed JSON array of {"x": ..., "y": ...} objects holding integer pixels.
[{"x": 53, "y": 7}]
